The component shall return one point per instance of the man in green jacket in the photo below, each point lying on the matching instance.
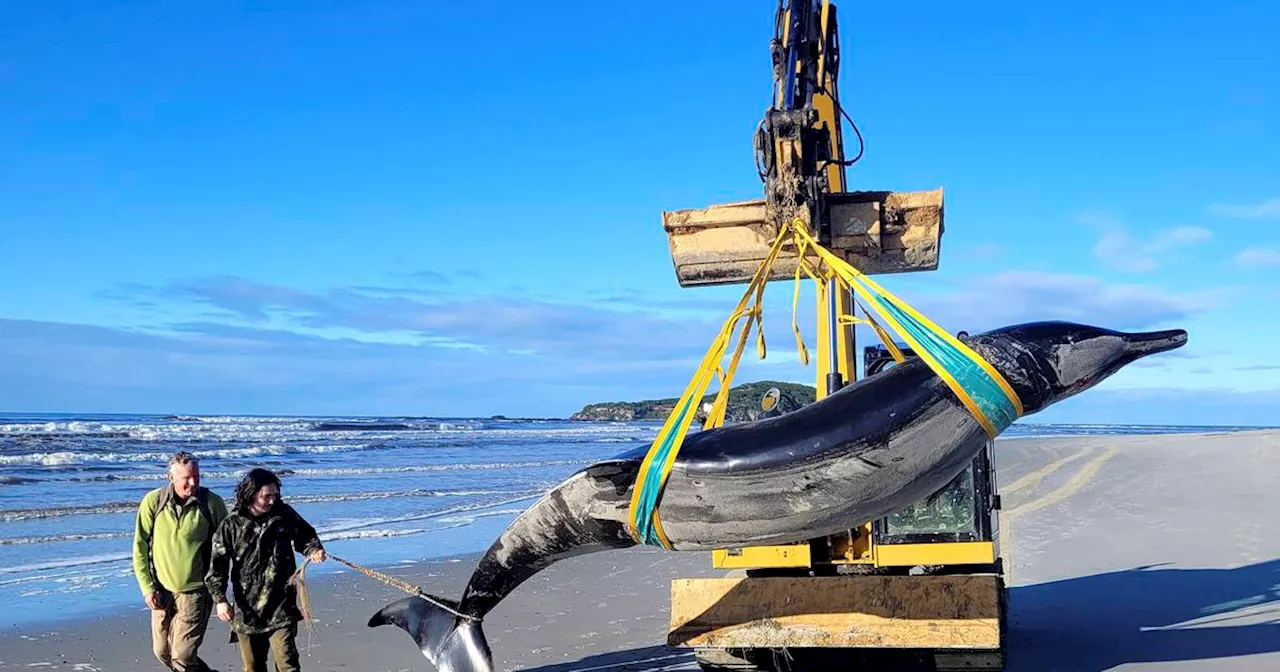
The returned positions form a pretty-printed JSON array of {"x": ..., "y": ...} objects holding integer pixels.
[{"x": 171, "y": 549}]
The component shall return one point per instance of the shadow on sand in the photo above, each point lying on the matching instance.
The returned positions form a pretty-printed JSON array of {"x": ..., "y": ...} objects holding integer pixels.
[
  {"x": 648, "y": 659},
  {"x": 1093, "y": 623},
  {"x": 1144, "y": 615}
]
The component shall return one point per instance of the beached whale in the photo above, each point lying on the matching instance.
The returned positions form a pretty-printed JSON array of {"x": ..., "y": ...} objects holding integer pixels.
[{"x": 873, "y": 448}]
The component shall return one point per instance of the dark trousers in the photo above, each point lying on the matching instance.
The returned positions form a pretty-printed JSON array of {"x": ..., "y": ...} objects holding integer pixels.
[{"x": 280, "y": 645}]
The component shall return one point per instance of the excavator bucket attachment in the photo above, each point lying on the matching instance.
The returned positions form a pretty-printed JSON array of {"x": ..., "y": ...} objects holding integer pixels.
[{"x": 875, "y": 231}]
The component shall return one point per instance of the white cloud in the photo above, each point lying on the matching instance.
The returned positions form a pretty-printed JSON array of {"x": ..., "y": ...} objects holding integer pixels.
[
  {"x": 1175, "y": 237},
  {"x": 1124, "y": 251},
  {"x": 1263, "y": 210},
  {"x": 1258, "y": 257},
  {"x": 354, "y": 350},
  {"x": 1118, "y": 250},
  {"x": 1014, "y": 297},
  {"x": 207, "y": 367}
]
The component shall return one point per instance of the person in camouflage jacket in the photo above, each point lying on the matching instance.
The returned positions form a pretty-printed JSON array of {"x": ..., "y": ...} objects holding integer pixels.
[{"x": 253, "y": 550}]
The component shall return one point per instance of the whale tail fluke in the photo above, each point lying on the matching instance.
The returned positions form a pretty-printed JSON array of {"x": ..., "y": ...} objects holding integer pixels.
[{"x": 451, "y": 642}]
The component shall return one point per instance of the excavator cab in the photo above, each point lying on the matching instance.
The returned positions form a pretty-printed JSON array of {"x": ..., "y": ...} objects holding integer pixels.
[{"x": 962, "y": 512}]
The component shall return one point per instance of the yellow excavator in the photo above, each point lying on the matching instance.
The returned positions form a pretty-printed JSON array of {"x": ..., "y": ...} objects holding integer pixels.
[{"x": 922, "y": 588}]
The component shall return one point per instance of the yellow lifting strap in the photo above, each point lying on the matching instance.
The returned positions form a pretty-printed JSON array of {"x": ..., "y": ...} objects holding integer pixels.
[
  {"x": 662, "y": 454},
  {"x": 980, "y": 388}
]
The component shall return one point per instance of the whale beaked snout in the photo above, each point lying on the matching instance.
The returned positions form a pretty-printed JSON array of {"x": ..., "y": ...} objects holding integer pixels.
[
  {"x": 1151, "y": 342},
  {"x": 1064, "y": 359}
]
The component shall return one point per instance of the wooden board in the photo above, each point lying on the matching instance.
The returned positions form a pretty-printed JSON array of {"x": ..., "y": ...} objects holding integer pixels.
[
  {"x": 937, "y": 612},
  {"x": 875, "y": 231}
]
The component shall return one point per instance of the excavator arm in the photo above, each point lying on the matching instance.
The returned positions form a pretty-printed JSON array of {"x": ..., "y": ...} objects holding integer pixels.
[{"x": 798, "y": 143}]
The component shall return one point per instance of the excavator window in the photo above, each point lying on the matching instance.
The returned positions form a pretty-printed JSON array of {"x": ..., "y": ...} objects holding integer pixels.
[{"x": 959, "y": 512}]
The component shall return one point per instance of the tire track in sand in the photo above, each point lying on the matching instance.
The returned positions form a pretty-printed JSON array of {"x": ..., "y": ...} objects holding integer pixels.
[
  {"x": 1032, "y": 480},
  {"x": 1071, "y": 487}
]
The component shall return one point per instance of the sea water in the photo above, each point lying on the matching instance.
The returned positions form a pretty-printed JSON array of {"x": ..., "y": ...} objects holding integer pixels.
[{"x": 380, "y": 491}]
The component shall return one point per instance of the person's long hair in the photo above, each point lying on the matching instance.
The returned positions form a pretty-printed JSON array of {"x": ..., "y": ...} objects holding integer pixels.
[{"x": 249, "y": 486}]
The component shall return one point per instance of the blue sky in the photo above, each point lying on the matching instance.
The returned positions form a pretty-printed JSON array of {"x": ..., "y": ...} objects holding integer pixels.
[{"x": 408, "y": 208}]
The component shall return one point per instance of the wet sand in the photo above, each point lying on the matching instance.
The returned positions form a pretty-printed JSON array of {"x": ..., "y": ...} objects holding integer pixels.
[{"x": 1124, "y": 552}]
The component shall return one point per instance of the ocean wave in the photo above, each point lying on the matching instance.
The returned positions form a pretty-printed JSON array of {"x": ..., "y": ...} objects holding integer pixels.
[
  {"x": 327, "y": 535},
  {"x": 467, "y": 520},
  {"x": 371, "y": 534},
  {"x": 54, "y": 436},
  {"x": 391, "y": 494},
  {"x": 396, "y": 425},
  {"x": 416, "y": 422},
  {"x": 64, "y": 458},
  {"x": 449, "y": 523},
  {"x": 352, "y": 534},
  {"x": 431, "y": 432},
  {"x": 243, "y": 419},
  {"x": 46, "y": 576},
  {"x": 59, "y": 427},
  {"x": 348, "y": 526},
  {"x": 109, "y": 478},
  {"x": 14, "y": 515},
  {"x": 465, "y": 466},
  {"x": 64, "y": 563},
  {"x": 54, "y": 538},
  {"x": 199, "y": 429},
  {"x": 360, "y": 426},
  {"x": 321, "y": 472},
  {"x": 448, "y": 514},
  {"x": 292, "y": 430}
]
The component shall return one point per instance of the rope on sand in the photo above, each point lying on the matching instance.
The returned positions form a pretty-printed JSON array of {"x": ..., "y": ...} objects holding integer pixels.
[{"x": 305, "y": 604}]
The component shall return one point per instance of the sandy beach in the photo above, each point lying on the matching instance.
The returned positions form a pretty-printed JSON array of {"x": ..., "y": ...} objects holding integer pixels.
[{"x": 1146, "y": 552}]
